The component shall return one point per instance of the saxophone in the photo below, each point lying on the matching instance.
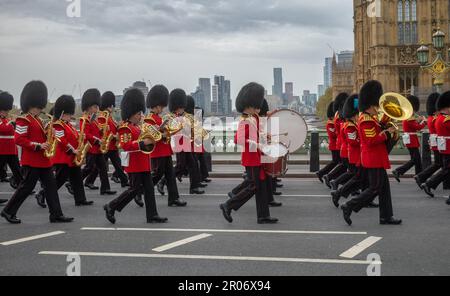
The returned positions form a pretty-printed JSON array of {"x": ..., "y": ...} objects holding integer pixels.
[
  {"x": 52, "y": 140},
  {"x": 83, "y": 147},
  {"x": 106, "y": 137}
]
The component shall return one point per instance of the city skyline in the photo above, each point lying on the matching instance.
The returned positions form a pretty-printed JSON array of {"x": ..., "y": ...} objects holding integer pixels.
[{"x": 108, "y": 49}]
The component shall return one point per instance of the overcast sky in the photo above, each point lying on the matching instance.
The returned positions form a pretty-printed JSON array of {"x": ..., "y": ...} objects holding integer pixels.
[{"x": 174, "y": 42}]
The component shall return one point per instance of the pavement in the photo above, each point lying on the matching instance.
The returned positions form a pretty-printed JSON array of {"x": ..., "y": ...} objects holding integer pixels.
[{"x": 311, "y": 238}]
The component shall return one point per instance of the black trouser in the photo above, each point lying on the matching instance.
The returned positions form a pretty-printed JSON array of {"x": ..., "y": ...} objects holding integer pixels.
[
  {"x": 442, "y": 175},
  {"x": 416, "y": 161},
  {"x": 378, "y": 185},
  {"x": 203, "y": 165},
  {"x": 358, "y": 182},
  {"x": 208, "y": 158},
  {"x": 251, "y": 186},
  {"x": 345, "y": 177},
  {"x": 336, "y": 158},
  {"x": 432, "y": 169},
  {"x": 3, "y": 172},
  {"x": 186, "y": 162},
  {"x": 112, "y": 155},
  {"x": 98, "y": 161},
  {"x": 73, "y": 174},
  {"x": 139, "y": 182},
  {"x": 340, "y": 169},
  {"x": 14, "y": 165},
  {"x": 163, "y": 167},
  {"x": 30, "y": 177},
  {"x": 270, "y": 188}
]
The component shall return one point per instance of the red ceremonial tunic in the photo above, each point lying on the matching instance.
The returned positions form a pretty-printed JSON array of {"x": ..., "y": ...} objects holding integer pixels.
[
  {"x": 374, "y": 153},
  {"x": 248, "y": 129},
  {"x": 353, "y": 142},
  {"x": 433, "y": 132},
  {"x": 337, "y": 125},
  {"x": 139, "y": 162},
  {"x": 412, "y": 127},
  {"x": 68, "y": 143},
  {"x": 29, "y": 134},
  {"x": 92, "y": 132},
  {"x": 332, "y": 136},
  {"x": 162, "y": 149},
  {"x": 344, "y": 143},
  {"x": 443, "y": 131},
  {"x": 7, "y": 145}
]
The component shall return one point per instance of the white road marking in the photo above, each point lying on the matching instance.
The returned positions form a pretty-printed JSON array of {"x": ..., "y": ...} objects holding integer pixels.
[
  {"x": 359, "y": 248},
  {"x": 31, "y": 238},
  {"x": 181, "y": 242},
  {"x": 225, "y": 231},
  {"x": 223, "y": 258}
]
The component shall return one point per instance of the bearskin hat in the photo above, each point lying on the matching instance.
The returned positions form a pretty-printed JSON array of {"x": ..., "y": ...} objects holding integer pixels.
[
  {"x": 64, "y": 105},
  {"x": 443, "y": 101},
  {"x": 431, "y": 103},
  {"x": 190, "y": 106},
  {"x": 133, "y": 102},
  {"x": 52, "y": 111},
  {"x": 158, "y": 96},
  {"x": 251, "y": 95},
  {"x": 34, "y": 95},
  {"x": 108, "y": 99},
  {"x": 177, "y": 100},
  {"x": 351, "y": 106},
  {"x": 370, "y": 95},
  {"x": 415, "y": 102},
  {"x": 90, "y": 98},
  {"x": 6, "y": 101},
  {"x": 339, "y": 102},
  {"x": 264, "y": 108},
  {"x": 330, "y": 111}
]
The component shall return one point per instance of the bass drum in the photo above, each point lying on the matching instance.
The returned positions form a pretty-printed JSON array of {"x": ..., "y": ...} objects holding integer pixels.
[
  {"x": 289, "y": 128},
  {"x": 275, "y": 160}
]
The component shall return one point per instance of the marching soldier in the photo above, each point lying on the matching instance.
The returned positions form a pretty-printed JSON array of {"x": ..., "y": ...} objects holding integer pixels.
[
  {"x": 108, "y": 103},
  {"x": 201, "y": 158},
  {"x": 332, "y": 144},
  {"x": 411, "y": 140},
  {"x": 359, "y": 180},
  {"x": 31, "y": 136},
  {"x": 8, "y": 149},
  {"x": 67, "y": 150},
  {"x": 249, "y": 102},
  {"x": 178, "y": 103},
  {"x": 443, "y": 131},
  {"x": 90, "y": 104},
  {"x": 373, "y": 142},
  {"x": 161, "y": 157},
  {"x": 138, "y": 166},
  {"x": 338, "y": 124},
  {"x": 432, "y": 116}
]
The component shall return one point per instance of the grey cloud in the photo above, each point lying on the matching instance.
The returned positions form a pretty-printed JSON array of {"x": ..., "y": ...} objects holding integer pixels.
[{"x": 157, "y": 17}]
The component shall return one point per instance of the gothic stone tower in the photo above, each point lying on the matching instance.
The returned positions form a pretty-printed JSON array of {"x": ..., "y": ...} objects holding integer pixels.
[{"x": 386, "y": 41}]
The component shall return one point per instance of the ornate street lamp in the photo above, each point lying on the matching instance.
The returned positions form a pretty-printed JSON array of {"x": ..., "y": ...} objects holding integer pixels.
[{"x": 439, "y": 67}]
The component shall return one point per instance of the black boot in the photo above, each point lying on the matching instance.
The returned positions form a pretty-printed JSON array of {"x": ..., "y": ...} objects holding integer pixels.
[
  {"x": 109, "y": 214},
  {"x": 390, "y": 221},
  {"x": 157, "y": 219},
  {"x": 160, "y": 188},
  {"x": 11, "y": 219},
  {"x": 196, "y": 191},
  {"x": 84, "y": 203},
  {"x": 41, "y": 199},
  {"x": 427, "y": 190},
  {"x": 115, "y": 179},
  {"x": 319, "y": 177},
  {"x": 448, "y": 201},
  {"x": 60, "y": 219},
  {"x": 91, "y": 186},
  {"x": 108, "y": 192},
  {"x": 347, "y": 214},
  {"x": 335, "y": 197},
  {"x": 419, "y": 182},
  {"x": 397, "y": 176},
  {"x": 178, "y": 203},
  {"x": 267, "y": 220},
  {"x": 226, "y": 211},
  {"x": 2, "y": 201},
  {"x": 138, "y": 200},
  {"x": 275, "y": 204},
  {"x": 69, "y": 188}
]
